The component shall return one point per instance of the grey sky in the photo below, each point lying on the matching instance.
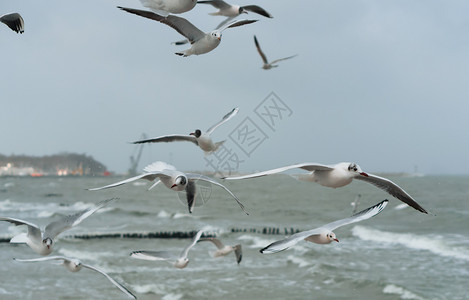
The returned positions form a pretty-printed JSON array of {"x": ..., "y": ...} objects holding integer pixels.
[{"x": 380, "y": 83}]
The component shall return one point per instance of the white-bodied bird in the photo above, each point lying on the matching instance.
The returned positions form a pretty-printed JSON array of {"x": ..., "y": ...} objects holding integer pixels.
[
  {"x": 272, "y": 64},
  {"x": 199, "y": 138},
  {"x": 174, "y": 180},
  {"x": 201, "y": 42},
  {"x": 339, "y": 175},
  {"x": 224, "y": 250},
  {"x": 165, "y": 7},
  {"x": 324, "y": 234},
  {"x": 179, "y": 261},
  {"x": 232, "y": 11},
  {"x": 75, "y": 265},
  {"x": 42, "y": 243}
]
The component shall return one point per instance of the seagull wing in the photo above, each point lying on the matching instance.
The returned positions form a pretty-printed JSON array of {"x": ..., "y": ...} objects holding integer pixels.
[
  {"x": 147, "y": 176},
  {"x": 264, "y": 58},
  {"x": 292, "y": 240},
  {"x": 42, "y": 259},
  {"x": 238, "y": 253},
  {"x": 392, "y": 188},
  {"x": 196, "y": 238},
  {"x": 191, "y": 191},
  {"x": 169, "y": 138},
  {"x": 215, "y": 241},
  {"x": 285, "y": 58},
  {"x": 34, "y": 232},
  {"x": 181, "y": 25},
  {"x": 55, "y": 228},
  {"x": 154, "y": 255},
  {"x": 14, "y": 21},
  {"x": 215, "y": 3},
  {"x": 222, "y": 23},
  {"x": 236, "y": 23},
  {"x": 359, "y": 216},
  {"x": 305, "y": 166},
  {"x": 195, "y": 177},
  {"x": 225, "y": 118},
  {"x": 117, "y": 284},
  {"x": 258, "y": 10}
]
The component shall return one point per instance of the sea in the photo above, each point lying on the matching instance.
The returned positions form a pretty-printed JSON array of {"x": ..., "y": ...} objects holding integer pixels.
[{"x": 398, "y": 254}]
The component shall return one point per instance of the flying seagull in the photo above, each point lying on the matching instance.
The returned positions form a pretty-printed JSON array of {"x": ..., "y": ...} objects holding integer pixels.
[
  {"x": 228, "y": 10},
  {"x": 165, "y": 7},
  {"x": 174, "y": 180},
  {"x": 232, "y": 11},
  {"x": 272, "y": 64},
  {"x": 200, "y": 42},
  {"x": 339, "y": 175},
  {"x": 14, "y": 21},
  {"x": 224, "y": 250},
  {"x": 199, "y": 138},
  {"x": 179, "y": 261},
  {"x": 75, "y": 265},
  {"x": 42, "y": 243},
  {"x": 324, "y": 234}
]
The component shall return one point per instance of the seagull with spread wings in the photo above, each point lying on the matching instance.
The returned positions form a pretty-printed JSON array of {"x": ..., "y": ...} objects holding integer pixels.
[
  {"x": 340, "y": 175},
  {"x": 43, "y": 242},
  {"x": 324, "y": 234},
  {"x": 75, "y": 265},
  {"x": 174, "y": 180},
  {"x": 199, "y": 138},
  {"x": 201, "y": 42},
  {"x": 272, "y": 64}
]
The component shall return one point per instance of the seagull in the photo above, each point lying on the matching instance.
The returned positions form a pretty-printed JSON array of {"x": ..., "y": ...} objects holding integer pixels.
[
  {"x": 14, "y": 21},
  {"x": 179, "y": 261},
  {"x": 324, "y": 234},
  {"x": 200, "y": 42},
  {"x": 165, "y": 7},
  {"x": 42, "y": 243},
  {"x": 232, "y": 11},
  {"x": 228, "y": 10},
  {"x": 199, "y": 138},
  {"x": 267, "y": 65},
  {"x": 339, "y": 175},
  {"x": 225, "y": 250},
  {"x": 174, "y": 180},
  {"x": 75, "y": 265}
]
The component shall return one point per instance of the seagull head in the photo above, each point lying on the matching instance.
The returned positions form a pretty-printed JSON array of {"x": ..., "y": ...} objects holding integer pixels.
[
  {"x": 197, "y": 133},
  {"x": 47, "y": 242},
  {"x": 353, "y": 167},
  {"x": 179, "y": 183},
  {"x": 75, "y": 265},
  {"x": 216, "y": 34},
  {"x": 241, "y": 10},
  {"x": 331, "y": 237}
]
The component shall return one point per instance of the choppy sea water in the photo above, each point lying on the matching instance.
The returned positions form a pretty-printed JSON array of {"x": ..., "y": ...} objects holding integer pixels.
[{"x": 398, "y": 254}]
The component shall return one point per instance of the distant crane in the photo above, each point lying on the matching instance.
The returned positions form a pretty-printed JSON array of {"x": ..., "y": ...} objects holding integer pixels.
[{"x": 134, "y": 160}]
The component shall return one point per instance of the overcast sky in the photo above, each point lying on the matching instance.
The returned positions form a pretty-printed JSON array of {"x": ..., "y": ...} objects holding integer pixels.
[{"x": 381, "y": 83}]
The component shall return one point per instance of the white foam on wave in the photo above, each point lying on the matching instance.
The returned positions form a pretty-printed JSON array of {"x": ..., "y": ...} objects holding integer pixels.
[
  {"x": 413, "y": 241},
  {"x": 47, "y": 210},
  {"x": 256, "y": 242},
  {"x": 298, "y": 260},
  {"x": 158, "y": 289},
  {"x": 403, "y": 293}
]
